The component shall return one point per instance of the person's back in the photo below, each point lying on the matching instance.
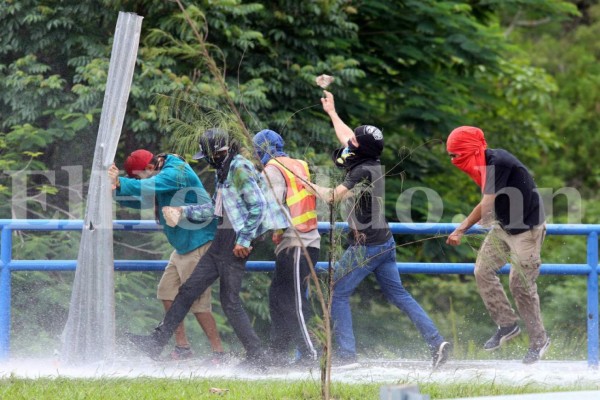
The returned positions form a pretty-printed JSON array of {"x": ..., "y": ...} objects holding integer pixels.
[
  {"x": 286, "y": 176},
  {"x": 366, "y": 214},
  {"x": 517, "y": 204}
]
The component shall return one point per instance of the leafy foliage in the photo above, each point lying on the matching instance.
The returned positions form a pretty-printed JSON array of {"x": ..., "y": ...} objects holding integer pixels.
[{"x": 523, "y": 70}]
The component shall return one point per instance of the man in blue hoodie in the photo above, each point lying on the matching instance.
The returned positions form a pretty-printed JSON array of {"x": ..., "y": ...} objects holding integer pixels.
[{"x": 167, "y": 180}]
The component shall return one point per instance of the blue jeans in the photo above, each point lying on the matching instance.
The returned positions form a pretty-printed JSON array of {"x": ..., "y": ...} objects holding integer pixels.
[{"x": 356, "y": 263}]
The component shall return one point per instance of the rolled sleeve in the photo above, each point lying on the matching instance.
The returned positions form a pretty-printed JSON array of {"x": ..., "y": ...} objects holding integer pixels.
[
  {"x": 199, "y": 212},
  {"x": 254, "y": 201},
  {"x": 244, "y": 240}
]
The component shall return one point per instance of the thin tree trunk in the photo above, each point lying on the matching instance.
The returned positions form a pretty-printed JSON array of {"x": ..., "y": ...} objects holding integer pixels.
[{"x": 326, "y": 368}]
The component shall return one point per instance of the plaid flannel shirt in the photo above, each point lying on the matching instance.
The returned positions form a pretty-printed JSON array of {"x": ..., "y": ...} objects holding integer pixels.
[{"x": 248, "y": 202}]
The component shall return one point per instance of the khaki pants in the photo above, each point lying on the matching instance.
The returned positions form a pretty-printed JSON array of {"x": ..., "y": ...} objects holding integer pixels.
[
  {"x": 523, "y": 253},
  {"x": 178, "y": 270}
]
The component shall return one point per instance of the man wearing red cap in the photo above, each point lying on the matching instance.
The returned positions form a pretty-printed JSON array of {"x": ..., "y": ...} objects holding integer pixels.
[
  {"x": 245, "y": 211},
  {"x": 512, "y": 206},
  {"x": 161, "y": 181}
]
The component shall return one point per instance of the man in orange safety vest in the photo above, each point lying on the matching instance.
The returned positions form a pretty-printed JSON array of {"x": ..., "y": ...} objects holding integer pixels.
[{"x": 288, "y": 302}]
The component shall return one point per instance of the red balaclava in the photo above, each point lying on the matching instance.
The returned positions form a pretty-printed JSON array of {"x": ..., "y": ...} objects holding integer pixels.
[{"x": 468, "y": 143}]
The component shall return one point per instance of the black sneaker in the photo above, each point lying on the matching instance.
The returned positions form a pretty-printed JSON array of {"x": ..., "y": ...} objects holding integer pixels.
[
  {"x": 502, "y": 335},
  {"x": 534, "y": 355},
  {"x": 441, "y": 354},
  {"x": 147, "y": 344}
]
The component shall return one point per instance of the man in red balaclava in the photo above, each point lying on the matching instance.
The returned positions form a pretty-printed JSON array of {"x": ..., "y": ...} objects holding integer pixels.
[{"x": 512, "y": 206}]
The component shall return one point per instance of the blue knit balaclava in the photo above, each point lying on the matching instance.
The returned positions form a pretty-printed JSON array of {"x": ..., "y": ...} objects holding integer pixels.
[{"x": 268, "y": 144}]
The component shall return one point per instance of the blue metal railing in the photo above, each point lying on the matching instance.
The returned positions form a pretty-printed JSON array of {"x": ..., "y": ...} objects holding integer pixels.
[{"x": 8, "y": 265}]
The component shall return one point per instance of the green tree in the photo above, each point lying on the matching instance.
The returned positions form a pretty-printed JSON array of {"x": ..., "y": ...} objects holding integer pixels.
[{"x": 415, "y": 68}]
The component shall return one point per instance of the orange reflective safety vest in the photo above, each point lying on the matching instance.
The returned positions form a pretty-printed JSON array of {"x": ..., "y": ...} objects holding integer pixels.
[{"x": 301, "y": 203}]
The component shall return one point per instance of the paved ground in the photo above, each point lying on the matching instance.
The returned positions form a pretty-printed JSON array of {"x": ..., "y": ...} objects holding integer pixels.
[
  {"x": 545, "y": 373},
  {"x": 583, "y": 395}
]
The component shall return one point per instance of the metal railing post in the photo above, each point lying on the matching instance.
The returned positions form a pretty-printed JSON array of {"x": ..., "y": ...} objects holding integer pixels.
[
  {"x": 7, "y": 265},
  {"x": 5, "y": 286},
  {"x": 592, "y": 299}
]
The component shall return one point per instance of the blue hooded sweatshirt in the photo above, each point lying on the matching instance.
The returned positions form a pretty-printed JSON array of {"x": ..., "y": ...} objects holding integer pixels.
[{"x": 176, "y": 184}]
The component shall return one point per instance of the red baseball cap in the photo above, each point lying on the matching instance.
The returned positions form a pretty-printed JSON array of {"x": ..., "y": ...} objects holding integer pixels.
[{"x": 137, "y": 161}]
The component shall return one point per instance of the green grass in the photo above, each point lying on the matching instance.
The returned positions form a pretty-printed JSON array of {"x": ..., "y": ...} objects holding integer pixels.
[{"x": 186, "y": 389}]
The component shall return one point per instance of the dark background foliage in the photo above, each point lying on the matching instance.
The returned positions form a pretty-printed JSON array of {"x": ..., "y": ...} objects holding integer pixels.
[{"x": 525, "y": 71}]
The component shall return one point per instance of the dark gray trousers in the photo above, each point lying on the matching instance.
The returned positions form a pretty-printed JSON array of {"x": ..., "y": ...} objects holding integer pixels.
[
  {"x": 288, "y": 302},
  {"x": 218, "y": 263}
]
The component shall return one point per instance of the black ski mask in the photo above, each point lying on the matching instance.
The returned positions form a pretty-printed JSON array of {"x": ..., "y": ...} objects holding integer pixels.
[
  {"x": 370, "y": 146},
  {"x": 370, "y": 141},
  {"x": 218, "y": 151},
  {"x": 223, "y": 161},
  {"x": 216, "y": 160}
]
